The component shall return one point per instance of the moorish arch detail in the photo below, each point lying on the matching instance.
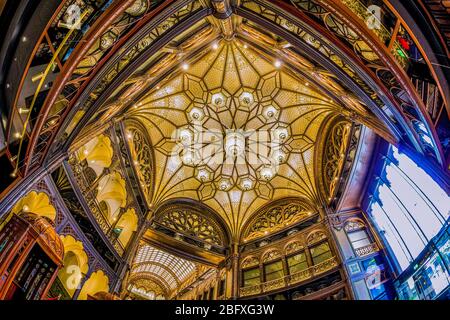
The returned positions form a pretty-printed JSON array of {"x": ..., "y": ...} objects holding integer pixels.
[
  {"x": 141, "y": 151},
  {"x": 331, "y": 156},
  {"x": 277, "y": 216},
  {"x": 194, "y": 220},
  {"x": 148, "y": 286}
]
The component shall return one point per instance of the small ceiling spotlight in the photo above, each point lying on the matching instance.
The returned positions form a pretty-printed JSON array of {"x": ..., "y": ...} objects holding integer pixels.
[
  {"x": 185, "y": 136},
  {"x": 270, "y": 112},
  {"x": 279, "y": 156},
  {"x": 245, "y": 46},
  {"x": 224, "y": 185},
  {"x": 188, "y": 159},
  {"x": 215, "y": 46},
  {"x": 246, "y": 184},
  {"x": 267, "y": 173},
  {"x": 246, "y": 99},
  {"x": 307, "y": 84},
  {"x": 85, "y": 152},
  {"x": 277, "y": 63},
  {"x": 196, "y": 114},
  {"x": 17, "y": 135},
  {"x": 185, "y": 66},
  {"x": 281, "y": 134},
  {"x": 203, "y": 175},
  {"x": 24, "y": 39},
  {"x": 25, "y": 208},
  {"x": 129, "y": 135},
  {"x": 218, "y": 100}
]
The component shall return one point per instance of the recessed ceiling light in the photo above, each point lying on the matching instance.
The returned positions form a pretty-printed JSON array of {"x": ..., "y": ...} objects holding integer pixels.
[
  {"x": 279, "y": 156},
  {"x": 277, "y": 63},
  {"x": 246, "y": 184},
  {"x": 24, "y": 39},
  {"x": 196, "y": 114},
  {"x": 218, "y": 99},
  {"x": 270, "y": 112},
  {"x": 188, "y": 159},
  {"x": 215, "y": 46},
  {"x": 203, "y": 175},
  {"x": 246, "y": 98},
  {"x": 267, "y": 173},
  {"x": 281, "y": 134},
  {"x": 224, "y": 185},
  {"x": 185, "y": 136},
  {"x": 185, "y": 66}
]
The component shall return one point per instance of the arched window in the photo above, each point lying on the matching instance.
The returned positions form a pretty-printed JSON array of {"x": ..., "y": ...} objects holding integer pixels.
[
  {"x": 273, "y": 270},
  {"x": 320, "y": 252},
  {"x": 408, "y": 207},
  {"x": 297, "y": 262},
  {"x": 357, "y": 235}
]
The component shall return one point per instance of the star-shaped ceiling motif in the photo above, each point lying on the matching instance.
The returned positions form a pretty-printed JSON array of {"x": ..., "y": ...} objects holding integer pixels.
[{"x": 234, "y": 130}]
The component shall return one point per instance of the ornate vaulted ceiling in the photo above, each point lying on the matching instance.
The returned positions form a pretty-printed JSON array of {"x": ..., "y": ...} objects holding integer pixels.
[
  {"x": 228, "y": 114},
  {"x": 234, "y": 130}
]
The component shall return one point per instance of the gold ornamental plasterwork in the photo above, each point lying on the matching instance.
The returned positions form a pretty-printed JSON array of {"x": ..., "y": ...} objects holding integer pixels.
[{"x": 232, "y": 87}]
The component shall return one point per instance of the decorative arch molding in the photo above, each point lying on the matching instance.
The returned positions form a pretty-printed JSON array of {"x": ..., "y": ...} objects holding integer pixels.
[
  {"x": 315, "y": 236},
  {"x": 148, "y": 277},
  {"x": 250, "y": 261},
  {"x": 276, "y": 216},
  {"x": 271, "y": 254},
  {"x": 354, "y": 224},
  {"x": 293, "y": 246},
  {"x": 149, "y": 285},
  {"x": 193, "y": 219},
  {"x": 142, "y": 155},
  {"x": 331, "y": 155},
  {"x": 143, "y": 265}
]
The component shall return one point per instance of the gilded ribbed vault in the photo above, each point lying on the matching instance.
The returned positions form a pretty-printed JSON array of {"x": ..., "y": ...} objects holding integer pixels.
[{"x": 233, "y": 129}]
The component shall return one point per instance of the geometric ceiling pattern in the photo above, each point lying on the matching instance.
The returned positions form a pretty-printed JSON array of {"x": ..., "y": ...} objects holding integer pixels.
[
  {"x": 234, "y": 130},
  {"x": 232, "y": 114}
]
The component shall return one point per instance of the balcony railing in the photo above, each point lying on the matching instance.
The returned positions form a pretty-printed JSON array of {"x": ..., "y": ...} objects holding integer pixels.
[
  {"x": 94, "y": 207},
  {"x": 291, "y": 279},
  {"x": 366, "y": 250}
]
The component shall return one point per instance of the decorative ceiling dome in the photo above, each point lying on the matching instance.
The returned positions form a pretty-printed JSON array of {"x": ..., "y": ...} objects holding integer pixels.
[{"x": 240, "y": 140}]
